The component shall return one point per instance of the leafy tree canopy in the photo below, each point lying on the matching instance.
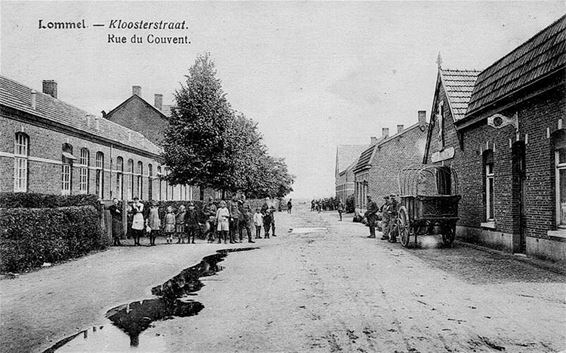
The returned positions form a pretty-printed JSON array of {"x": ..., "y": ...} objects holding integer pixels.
[{"x": 209, "y": 144}]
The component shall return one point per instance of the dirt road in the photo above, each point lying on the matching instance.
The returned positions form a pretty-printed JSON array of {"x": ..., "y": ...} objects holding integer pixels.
[{"x": 328, "y": 290}]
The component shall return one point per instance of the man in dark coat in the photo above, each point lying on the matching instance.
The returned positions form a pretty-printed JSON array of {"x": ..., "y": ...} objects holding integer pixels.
[
  {"x": 116, "y": 214},
  {"x": 234, "y": 219},
  {"x": 371, "y": 216},
  {"x": 268, "y": 220}
]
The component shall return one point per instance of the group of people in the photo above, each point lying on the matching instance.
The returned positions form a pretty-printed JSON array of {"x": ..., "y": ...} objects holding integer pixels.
[
  {"x": 227, "y": 221},
  {"x": 388, "y": 213}
]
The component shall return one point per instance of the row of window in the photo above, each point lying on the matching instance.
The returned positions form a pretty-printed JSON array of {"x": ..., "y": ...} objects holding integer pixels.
[{"x": 135, "y": 188}]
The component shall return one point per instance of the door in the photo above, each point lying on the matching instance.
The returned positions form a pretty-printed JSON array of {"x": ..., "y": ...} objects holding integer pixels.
[{"x": 519, "y": 221}]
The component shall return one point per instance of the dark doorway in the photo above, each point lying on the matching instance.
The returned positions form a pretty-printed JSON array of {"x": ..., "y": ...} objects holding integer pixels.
[{"x": 519, "y": 245}]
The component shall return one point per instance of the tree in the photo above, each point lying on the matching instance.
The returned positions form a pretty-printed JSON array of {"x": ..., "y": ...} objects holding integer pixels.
[
  {"x": 194, "y": 144},
  {"x": 209, "y": 144}
]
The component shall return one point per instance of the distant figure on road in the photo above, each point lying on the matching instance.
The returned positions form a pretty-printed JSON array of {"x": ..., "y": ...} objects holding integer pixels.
[
  {"x": 137, "y": 222},
  {"x": 312, "y": 205},
  {"x": 340, "y": 208},
  {"x": 385, "y": 218},
  {"x": 371, "y": 216},
  {"x": 289, "y": 206},
  {"x": 117, "y": 228}
]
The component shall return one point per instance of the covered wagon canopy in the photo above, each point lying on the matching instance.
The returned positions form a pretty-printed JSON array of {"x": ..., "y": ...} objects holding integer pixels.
[{"x": 427, "y": 180}]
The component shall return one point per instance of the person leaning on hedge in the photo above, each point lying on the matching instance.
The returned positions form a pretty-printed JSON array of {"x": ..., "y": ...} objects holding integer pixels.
[
  {"x": 116, "y": 214},
  {"x": 137, "y": 222}
]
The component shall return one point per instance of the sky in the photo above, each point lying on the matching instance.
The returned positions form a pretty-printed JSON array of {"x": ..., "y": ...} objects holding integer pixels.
[{"x": 314, "y": 75}]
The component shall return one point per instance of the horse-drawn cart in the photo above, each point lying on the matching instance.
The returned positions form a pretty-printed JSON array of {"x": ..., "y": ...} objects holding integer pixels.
[{"x": 429, "y": 203}]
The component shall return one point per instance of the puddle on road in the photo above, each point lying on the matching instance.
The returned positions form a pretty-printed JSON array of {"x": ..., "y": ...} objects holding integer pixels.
[
  {"x": 307, "y": 230},
  {"x": 134, "y": 318}
]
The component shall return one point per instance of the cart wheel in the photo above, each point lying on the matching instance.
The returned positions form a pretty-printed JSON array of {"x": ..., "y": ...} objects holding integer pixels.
[
  {"x": 404, "y": 227},
  {"x": 449, "y": 234}
]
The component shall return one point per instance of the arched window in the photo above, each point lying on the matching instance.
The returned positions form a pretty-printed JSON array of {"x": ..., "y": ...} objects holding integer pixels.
[
  {"x": 131, "y": 174},
  {"x": 21, "y": 154},
  {"x": 99, "y": 175},
  {"x": 83, "y": 171},
  {"x": 140, "y": 180},
  {"x": 489, "y": 184},
  {"x": 160, "y": 183},
  {"x": 559, "y": 140},
  {"x": 119, "y": 178},
  {"x": 66, "y": 169},
  {"x": 149, "y": 182}
]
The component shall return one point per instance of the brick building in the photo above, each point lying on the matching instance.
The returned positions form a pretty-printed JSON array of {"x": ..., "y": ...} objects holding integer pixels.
[
  {"x": 377, "y": 168},
  {"x": 49, "y": 146},
  {"x": 510, "y": 149},
  {"x": 137, "y": 114},
  {"x": 346, "y": 158}
]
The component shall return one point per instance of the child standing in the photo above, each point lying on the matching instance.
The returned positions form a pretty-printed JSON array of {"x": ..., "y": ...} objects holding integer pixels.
[
  {"x": 153, "y": 222},
  {"x": 223, "y": 221},
  {"x": 258, "y": 221},
  {"x": 169, "y": 224},
  {"x": 180, "y": 224}
]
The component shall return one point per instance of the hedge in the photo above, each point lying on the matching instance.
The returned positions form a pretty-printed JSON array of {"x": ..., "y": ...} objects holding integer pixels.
[
  {"x": 33, "y": 200},
  {"x": 31, "y": 236}
]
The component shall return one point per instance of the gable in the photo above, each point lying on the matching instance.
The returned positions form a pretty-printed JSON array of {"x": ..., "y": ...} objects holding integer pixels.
[
  {"x": 441, "y": 145},
  {"x": 138, "y": 115}
]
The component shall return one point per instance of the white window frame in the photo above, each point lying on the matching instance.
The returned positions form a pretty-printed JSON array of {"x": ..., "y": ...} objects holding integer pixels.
[
  {"x": 84, "y": 160},
  {"x": 99, "y": 182},
  {"x": 559, "y": 167},
  {"x": 66, "y": 179},
  {"x": 119, "y": 178},
  {"x": 139, "y": 183},
  {"x": 21, "y": 158},
  {"x": 489, "y": 181},
  {"x": 132, "y": 184}
]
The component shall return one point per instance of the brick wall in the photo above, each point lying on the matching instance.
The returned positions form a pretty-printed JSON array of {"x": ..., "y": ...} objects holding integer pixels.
[
  {"x": 44, "y": 166},
  {"x": 396, "y": 153},
  {"x": 535, "y": 117},
  {"x": 136, "y": 115}
]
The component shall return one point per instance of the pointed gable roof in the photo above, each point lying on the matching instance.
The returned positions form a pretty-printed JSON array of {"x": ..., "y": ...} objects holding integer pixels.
[
  {"x": 539, "y": 57},
  {"x": 346, "y": 155},
  {"x": 458, "y": 85},
  {"x": 136, "y": 97},
  {"x": 17, "y": 96}
]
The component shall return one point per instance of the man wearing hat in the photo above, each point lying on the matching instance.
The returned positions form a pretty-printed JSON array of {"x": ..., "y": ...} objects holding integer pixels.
[
  {"x": 234, "y": 219},
  {"x": 371, "y": 216}
]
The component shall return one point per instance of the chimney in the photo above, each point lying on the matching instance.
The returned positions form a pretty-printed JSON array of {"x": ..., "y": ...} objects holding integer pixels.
[
  {"x": 136, "y": 90},
  {"x": 373, "y": 140},
  {"x": 50, "y": 88},
  {"x": 33, "y": 99},
  {"x": 158, "y": 102},
  {"x": 422, "y": 117},
  {"x": 385, "y": 132},
  {"x": 399, "y": 129}
]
